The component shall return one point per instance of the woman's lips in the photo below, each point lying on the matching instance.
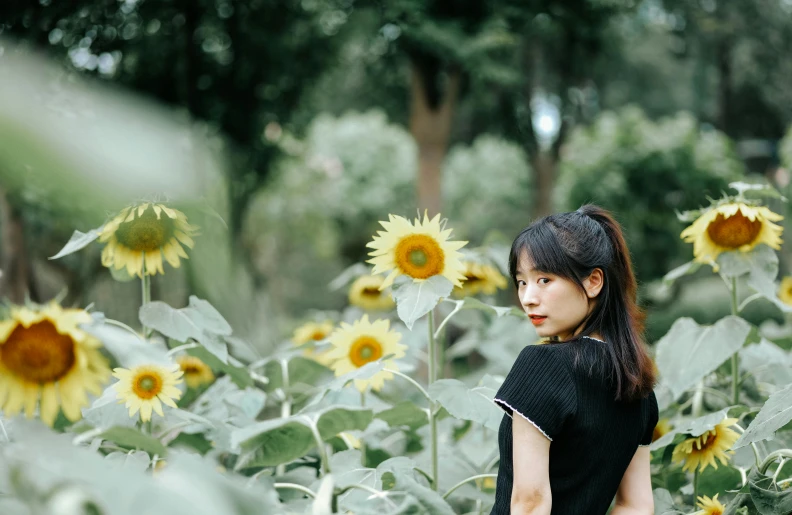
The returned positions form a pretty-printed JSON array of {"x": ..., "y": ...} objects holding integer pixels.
[{"x": 536, "y": 320}]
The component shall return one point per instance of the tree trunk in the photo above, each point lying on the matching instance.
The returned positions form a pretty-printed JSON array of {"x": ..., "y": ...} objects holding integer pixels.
[
  {"x": 16, "y": 281},
  {"x": 725, "y": 93},
  {"x": 431, "y": 128},
  {"x": 544, "y": 164}
]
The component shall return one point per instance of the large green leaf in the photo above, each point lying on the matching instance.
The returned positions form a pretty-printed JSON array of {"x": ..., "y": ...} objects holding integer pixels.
[
  {"x": 364, "y": 372},
  {"x": 414, "y": 299},
  {"x": 774, "y": 415},
  {"x": 663, "y": 502},
  {"x": 78, "y": 241},
  {"x": 430, "y": 501},
  {"x": 405, "y": 413},
  {"x": 692, "y": 427},
  {"x": 474, "y": 404},
  {"x": 767, "y": 362},
  {"x": 474, "y": 303},
  {"x": 690, "y": 351},
  {"x": 768, "y": 499},
  {"x": 272, "y": 442},
  {"x": 198, "y": 321},
  {"x": 336, "y": 420},
  {"x": 680, "y": 271},
  {"x": 129, "y": 350},
  {"x": 131, "y": 438}
]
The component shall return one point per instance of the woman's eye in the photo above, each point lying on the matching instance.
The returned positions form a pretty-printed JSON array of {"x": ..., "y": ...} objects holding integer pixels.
[
  {"x": 520, "y": 283},
  {"x": 544, "y": 280}
]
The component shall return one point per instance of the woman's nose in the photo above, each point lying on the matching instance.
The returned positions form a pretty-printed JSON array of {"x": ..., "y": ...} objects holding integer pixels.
[{"x": 528, "y": 297}]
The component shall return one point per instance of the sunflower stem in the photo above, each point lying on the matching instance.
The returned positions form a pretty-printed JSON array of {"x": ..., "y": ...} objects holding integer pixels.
[
  {"x": 320, "y": 446},
  {"x": 781, "y": 453},
  {"x": 471, "y": 478},
  {"x": 286, "y": 406},
  {"x": 695, "y": 485},
  {"x": 363, "y": 442},
  {"x": 432, "y": 412},
  {"x": 735, "y": 364},
  {"x": 411, "y": 381},
  {"x": 146, "y": 293}
]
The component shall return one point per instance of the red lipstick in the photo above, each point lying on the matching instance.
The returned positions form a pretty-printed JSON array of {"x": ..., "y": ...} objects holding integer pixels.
[{"x": 536, "y": 319}]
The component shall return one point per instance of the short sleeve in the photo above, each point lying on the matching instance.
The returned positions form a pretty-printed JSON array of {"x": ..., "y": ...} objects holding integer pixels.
[
  {"x": 651, "y": 420},
  {"x": 540, "y": 389}
]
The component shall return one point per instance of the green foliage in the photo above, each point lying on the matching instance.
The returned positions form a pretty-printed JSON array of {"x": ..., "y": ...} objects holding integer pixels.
[
  {"x": 490, "y": 176},
  {"x": 640, "y": 169}
]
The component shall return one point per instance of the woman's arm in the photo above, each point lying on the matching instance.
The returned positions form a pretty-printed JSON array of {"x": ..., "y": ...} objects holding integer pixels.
[
  {"x": 634, "y": 496},
  {"x": 531, "y": 457}
]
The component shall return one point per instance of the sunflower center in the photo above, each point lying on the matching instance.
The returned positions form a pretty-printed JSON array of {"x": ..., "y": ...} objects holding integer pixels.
[
  {"x": 318, "y": 335},
  {"x": 371, "y": 292},
  {"x": 419, "y": 256},
  {"x": 469, "y": 279},
  {"x": 191, "y": 369},
  {"x": 39, "y": 354},
  {"x": 364, "y": 350},
  {"x": 707, "y": 441},
  {"x": 146, "y": 233},
  {"x": 147, "y": 385},
  {"x": 735, "y": 231}
]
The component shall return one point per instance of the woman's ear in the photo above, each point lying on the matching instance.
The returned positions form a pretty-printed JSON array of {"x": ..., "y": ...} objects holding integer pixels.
[{"x": 593, "y": 283}]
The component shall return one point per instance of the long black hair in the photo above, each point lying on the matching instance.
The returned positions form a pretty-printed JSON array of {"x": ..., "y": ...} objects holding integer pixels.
[{"x": 571, "y": 245}]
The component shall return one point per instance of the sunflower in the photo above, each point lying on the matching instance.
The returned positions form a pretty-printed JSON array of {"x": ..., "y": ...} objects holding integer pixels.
[
  {"x": 45, "y": 355},
  {"x": 139, "y": 237},
  {"x": 710, "y": 506},
  {"x": 313, "y": 332},
  {"x": 480, "y": 278},
  {"x": 421, "y": 250},
  {"x": 365, "y": 293},
  {"x": 144, "y": 386},
  {"x": 785, "y": 290},
  {"x": 701, "y": 451},
  {"x": 196, "y": 372},
  {"x": 732, "y": 226},
  {"x": 363, "y": 342},
  {"x": 661, "y": 429}
]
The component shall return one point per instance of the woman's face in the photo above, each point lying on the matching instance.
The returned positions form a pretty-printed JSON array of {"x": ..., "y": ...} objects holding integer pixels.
[{"x": 556, "y": 306}]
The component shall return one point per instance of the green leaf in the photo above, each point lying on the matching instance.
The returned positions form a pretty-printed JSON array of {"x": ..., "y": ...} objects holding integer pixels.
[
  {"x": 414, "y": 299},
  {"x": 768, "y": 499},
  {"x": 474, "y": 404},
  {"x": 131, "y": 438},
  {"x": 239, "y": 375},
  {"x": 405, "y": 413},
  {"x": 336, "y": 420},
  {"x": 430, "y": 501},
  {"x": 347, "y": 469},
  {"x": 714, "y": 481},
  {"x": 767, "y": 362},
  {"x": 350, "y": 273},
  {"x": 763, "y": 272},
  {"x": 198, "y": 321},
  {"x": 365, "y": 372},
  {"x": 474, "y": 303},
  {"x": 694, "y": 427},
  {"x": 272, "y": 443},
  {"x": 774, "y": 415},
  {"x": 78, "y": 241},
  {"x": 680, "y": 271},
  {"x": 663, "y": 502},
  {"x": 690, "y": 351}
]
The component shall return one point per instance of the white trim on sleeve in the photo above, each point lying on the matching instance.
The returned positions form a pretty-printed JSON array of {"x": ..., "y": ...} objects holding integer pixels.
[
  {"x": 503, "y": 403},
  {"x": 644, "y": 444}
]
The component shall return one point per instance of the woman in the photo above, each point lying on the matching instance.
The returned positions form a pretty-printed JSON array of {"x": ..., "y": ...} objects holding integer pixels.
[{"x": 580, "y": 410}]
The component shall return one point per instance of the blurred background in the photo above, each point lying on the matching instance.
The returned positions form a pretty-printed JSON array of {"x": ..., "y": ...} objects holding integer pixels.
[{"x": 288, "y": 128}]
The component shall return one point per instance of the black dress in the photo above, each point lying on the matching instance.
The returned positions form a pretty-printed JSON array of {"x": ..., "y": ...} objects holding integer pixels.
[{"x": 593, "y": 437}]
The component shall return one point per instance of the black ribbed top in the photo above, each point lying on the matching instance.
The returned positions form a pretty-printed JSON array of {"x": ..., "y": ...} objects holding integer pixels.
[{"x": 593, "y": 437}]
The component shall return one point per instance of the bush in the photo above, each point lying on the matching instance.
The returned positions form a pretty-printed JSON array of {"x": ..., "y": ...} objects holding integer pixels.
[{"x": 643, "y": 171}]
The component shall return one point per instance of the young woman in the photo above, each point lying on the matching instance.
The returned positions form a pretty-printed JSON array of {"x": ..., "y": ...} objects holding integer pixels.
[{"x": 580, "y": 409}]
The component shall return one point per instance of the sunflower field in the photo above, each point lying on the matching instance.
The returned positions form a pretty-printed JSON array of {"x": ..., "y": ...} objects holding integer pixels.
[{"x": 240, "y": 275}]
